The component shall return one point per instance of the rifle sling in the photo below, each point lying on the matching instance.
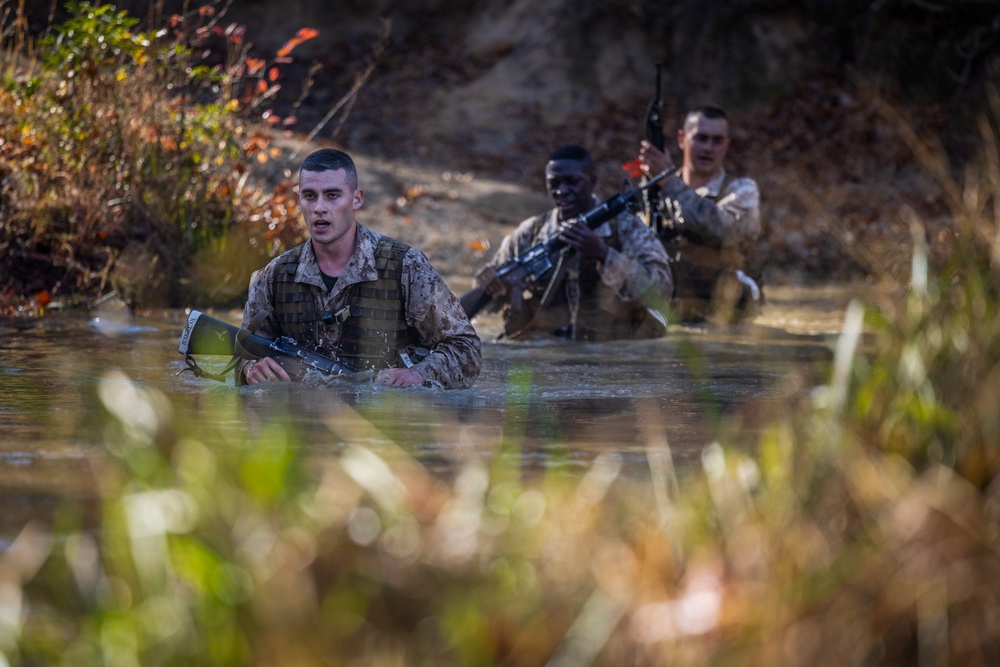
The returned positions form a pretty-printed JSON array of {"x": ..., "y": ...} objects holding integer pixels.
[
  {"x": 200, "y": 372},
  {"x": 242, "y": 334}
]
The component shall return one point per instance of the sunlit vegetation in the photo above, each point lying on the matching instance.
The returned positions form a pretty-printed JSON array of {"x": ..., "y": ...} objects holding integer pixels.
[
  {"x": 125, "y": 159},
  {"x": 862, "y": 528}
]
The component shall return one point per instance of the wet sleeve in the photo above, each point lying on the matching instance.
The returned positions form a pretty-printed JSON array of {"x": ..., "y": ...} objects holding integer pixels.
[
  {"x": 512, "y": 246},
  {"x": 258, "y": 300},
  {"x": 455, "y": 357},
  {"x": 733, "y": 219},
  {"x": 640, "y": 271}
]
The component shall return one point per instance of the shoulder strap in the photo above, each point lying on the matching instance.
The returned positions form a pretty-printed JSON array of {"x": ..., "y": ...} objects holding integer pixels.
[
  {"x": 726, "y": 182},
  {"x": 287, "y": 265}
]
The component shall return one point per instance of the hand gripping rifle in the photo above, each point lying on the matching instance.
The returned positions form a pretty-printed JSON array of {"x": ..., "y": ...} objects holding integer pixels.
[
  {"x": 654, "y": 135},
  {"x": 535, "y": 263},
  {"x": 207, "y": 335}
]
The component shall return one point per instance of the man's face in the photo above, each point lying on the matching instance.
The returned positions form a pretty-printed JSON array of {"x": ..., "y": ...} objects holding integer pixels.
[
  {"x": 571, "y": 187},
  {"x": 704, "y": 145},
  {"x": 328, "y": 204}
]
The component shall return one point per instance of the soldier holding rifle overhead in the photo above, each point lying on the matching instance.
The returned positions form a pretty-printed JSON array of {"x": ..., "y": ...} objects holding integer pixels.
[
  {"x": 606, "y": 283},
  {"x": 710, "y": 222}
]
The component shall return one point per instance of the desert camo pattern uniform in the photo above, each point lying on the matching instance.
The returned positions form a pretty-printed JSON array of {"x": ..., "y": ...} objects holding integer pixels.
[
  {"x": 637, "y": 270},
  {"x": 708, "y": 230},
  {"x": 431, "y": 309}
]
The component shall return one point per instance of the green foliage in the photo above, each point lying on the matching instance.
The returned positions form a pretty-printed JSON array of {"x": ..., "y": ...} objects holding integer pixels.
[
  {"x": 94, "y": 38},
  {"x": 843, "y": 538},
  {"x": 127, "y": 158},
  {"x": 863, "y": 529}
]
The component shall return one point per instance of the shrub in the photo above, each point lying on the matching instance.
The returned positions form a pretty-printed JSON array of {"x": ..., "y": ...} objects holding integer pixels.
[{"x": 127, "y": 156}]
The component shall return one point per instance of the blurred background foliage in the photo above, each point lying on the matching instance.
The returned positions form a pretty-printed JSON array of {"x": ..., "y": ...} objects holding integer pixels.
[
  {"x": 862, "y": 529},
  {"x": 124, "y": 160},
  {"x": 126, "y": 167}
]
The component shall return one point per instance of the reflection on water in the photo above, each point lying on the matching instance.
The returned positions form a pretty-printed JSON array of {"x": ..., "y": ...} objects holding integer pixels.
[{"x": 549, "y": 404}]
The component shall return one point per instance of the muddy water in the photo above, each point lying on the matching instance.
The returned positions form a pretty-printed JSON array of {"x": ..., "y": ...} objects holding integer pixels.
[{"x": 545, "y": 404}]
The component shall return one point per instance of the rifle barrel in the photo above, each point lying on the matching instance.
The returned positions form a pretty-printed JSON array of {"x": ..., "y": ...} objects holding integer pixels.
[{"x": 476, "y": 299}]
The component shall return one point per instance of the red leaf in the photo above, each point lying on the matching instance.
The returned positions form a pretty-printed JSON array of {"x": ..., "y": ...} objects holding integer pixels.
[
  {"x": 633, "y": 168},
  {"x": 254, "y": 65},
  {"x": 261, "y": 86},
  {"x": 272, "y": 74},
  {"x": 302, "y": 35}
]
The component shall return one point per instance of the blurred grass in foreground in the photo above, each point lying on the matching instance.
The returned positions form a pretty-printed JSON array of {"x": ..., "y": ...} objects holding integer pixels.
[{"x": 862, "y": 530}]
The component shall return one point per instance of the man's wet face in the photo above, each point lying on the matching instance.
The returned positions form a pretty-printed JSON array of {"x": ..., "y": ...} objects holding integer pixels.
[
  {"x": 571, "y": 187},
  {"x": 328, "y": 204}
]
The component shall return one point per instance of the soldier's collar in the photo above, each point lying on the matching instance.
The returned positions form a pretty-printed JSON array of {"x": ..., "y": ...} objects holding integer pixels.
[{"x": 714, "y": 186}]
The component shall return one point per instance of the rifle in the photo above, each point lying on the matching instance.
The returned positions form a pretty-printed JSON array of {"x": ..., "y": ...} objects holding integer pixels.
[
  {"x": 534, "y": 263},
  {"x": 206, "y": 335},
  {"x": 654, "y": 135}
]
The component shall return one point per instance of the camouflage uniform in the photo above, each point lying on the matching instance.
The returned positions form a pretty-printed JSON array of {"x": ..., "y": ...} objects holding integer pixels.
[
  {"x": 430, "y": 309},
  {"x": 613, "y": 298},
  {"x": 710, "y": 233}
]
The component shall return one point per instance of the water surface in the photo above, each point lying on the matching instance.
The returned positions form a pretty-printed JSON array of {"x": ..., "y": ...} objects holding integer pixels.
[{"x": 551, "y": 404}]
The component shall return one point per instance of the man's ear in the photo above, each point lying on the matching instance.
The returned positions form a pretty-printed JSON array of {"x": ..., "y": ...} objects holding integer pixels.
[
  {"x": 359, "y": 199},
  {"x": 680, "y": 139}
]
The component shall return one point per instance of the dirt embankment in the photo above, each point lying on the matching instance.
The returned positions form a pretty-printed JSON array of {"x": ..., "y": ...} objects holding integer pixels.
[{"x": 453, "y": 127}]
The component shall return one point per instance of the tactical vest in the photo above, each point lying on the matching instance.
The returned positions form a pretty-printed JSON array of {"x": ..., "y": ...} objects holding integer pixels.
[
  {"x": 372, "y": 324},
  {"x": 697, "y": 266},
  {"x": 602, "y": 315}
]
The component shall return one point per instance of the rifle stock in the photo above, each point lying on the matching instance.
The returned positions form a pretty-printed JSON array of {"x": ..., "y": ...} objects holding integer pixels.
[
  {"x": 206, "y": 335},
  {"x": 535, "y": 262},
  {"x": 654, "y": 118},
  {"x": 654, "y": 135},
  {"x": 474, "y": 300}
]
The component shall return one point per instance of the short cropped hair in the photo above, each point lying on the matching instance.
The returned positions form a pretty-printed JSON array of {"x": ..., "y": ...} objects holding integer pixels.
[
  {"x": 706, "y": 111},
  {"x": 570, "y": 153},
  {"x": 578, "y": 154},
  {"x": 330, "y": 159}
]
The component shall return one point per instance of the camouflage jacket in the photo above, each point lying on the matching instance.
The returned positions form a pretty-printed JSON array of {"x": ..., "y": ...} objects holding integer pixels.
[
  {"x": 431, "y": 309},
  {"x": 637, "y": 270},
  {"x": 725, "y": 212}
]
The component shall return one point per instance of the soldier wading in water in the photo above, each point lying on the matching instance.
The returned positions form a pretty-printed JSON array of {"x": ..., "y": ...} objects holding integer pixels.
[
  {"x": 611, "y": 283},
  {"x": 711, "y": 222},
  {"x": 354, "y": 294}
]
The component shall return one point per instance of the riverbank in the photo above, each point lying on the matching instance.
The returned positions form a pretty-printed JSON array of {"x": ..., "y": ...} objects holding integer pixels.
[{"x": 844, "y": 167}]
